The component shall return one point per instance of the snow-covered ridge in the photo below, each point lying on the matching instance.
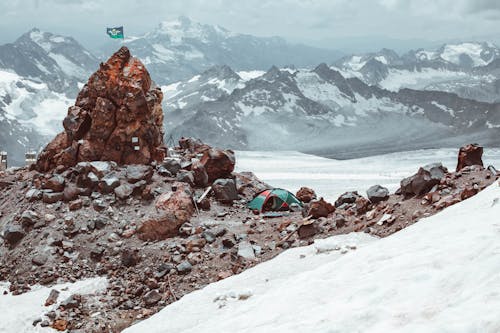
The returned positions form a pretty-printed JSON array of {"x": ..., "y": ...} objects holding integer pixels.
[{"x": 438, "y": 275}]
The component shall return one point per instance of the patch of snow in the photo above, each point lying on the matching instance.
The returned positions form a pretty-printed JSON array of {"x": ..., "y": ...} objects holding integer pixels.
[
  {"x": 452, "y": 53},
  {"x": 249, "y": 75},
  {"x": 19, "y": 312},
  {"x": 446, "y": 109}
]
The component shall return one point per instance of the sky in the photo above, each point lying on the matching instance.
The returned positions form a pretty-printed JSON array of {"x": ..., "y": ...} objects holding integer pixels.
[{"x": 348, "y": 25}]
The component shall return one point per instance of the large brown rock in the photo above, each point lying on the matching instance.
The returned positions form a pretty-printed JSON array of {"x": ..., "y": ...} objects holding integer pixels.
[
  {"x": 320, "y": 208},
  {"x": 470, "y": 155},
  {"x": 306, "y": 194},
  {"x": 218, "y": 163},
  {"x": 424, "y": 180},
  {"x": 175, "y": 208},
  {"x": 117, "y": 117}
]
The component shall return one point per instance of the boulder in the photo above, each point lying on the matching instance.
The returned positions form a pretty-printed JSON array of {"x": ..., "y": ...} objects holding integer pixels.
[
  {"x": 71, "y": 192},
  {"x": 347, "y": 198},
  {"x": 424, "y": 180},
  {"x": 136, "y": 173},
  {"x": 470, "y": 155},
  {"x": 186, "y": 176},
  {"x": 51, "y": 197},
  {"x": 108, "y": 183},
  {"x": 305, "y": 194},
  {"x": 117, "y": 117},
  {"x": 54, "y": 183},
  {"x": 124, "y": 191},
  {"x": 362, "y": 205},
  {"x": 172, "y": 165},
  {"x": 320, "y": 208},
  {"x": 218, "y": 163},
  {"x": 200, "y": 174},
  {"x": 193, "y": 145},
  {"x": 225, "y": 190},
  {"x": 13, "y": 233},
  {"x": 377, "y": 193},
  {"x": 175, "y": 208}
]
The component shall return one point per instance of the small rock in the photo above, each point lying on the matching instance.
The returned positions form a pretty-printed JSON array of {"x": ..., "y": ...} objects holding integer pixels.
[
  {"x": 39, "y": 259},
  {"x": 152, "y": 297},
  {"x": 184, "y": 267},
  {"x": 52, "y": 299},
  {"x": 246, "y": 251},
  {"x": 377, "y": 194}
]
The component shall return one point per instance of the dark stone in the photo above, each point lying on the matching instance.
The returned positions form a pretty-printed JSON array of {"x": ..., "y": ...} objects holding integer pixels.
[
  {"x": 13, "y": 233},
  {"x": 136, "y": 173},
  {"x": 377, "y": 193},
  {"x": 152, "y": 297},
  {"x": 184, "y": 267},
  {"x": 225, "y": 190},
  {"x": 347, "y": 198},
  {"x": 172, "y": 165}
]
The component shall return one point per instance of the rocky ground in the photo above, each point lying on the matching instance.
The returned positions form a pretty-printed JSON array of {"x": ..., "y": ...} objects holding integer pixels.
[{"x": 145, "y": 228}]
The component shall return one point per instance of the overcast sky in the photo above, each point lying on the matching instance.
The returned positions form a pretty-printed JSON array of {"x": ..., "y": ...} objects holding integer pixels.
[{"x": 336, "y": 24}]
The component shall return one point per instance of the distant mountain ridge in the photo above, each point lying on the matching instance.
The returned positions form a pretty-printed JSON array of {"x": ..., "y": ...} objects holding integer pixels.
[
  {"x": 179, "y": 49},
  {"x": 322, "y": 111},
  {"x": 470, "y": 69}
]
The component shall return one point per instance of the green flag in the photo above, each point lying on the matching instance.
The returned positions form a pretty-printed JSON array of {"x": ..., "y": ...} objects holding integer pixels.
[{"x": 115, "y": 33}]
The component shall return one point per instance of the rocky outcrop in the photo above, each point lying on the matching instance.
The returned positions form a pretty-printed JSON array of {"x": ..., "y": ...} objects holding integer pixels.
[
  {"x": 470, "y": 155},
  {"x": 116, "y": 117},
  {"x": 320, "y": 208}
]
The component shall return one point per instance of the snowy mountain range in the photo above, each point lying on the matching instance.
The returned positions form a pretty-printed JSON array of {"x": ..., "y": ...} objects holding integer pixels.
[
  {"x": 471, "y": 70},
  {"x": 348, "y": 108},
  {"x": 322, "y": 111},
  {"x": 179, "y": 49}
]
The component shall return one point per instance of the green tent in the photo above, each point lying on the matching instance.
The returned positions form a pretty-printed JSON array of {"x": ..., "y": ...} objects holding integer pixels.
[{"x": 273, "y": 200}]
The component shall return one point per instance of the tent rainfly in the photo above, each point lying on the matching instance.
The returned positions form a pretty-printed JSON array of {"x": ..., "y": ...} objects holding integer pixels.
[{"x": 273, "y": 200}]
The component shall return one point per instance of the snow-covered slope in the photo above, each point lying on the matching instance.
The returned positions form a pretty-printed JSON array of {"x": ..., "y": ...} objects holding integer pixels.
[
  {"x": 179, "y": 49},
  {"x": 322, "y": 111},
  {"x": 438, "y": 275}
]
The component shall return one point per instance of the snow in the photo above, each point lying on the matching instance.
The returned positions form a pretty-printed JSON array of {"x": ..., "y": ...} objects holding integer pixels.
[
  {"x": 438, "y": 275},
  {"x": 330, "y": 178},
  {"x": 398, "y": 79},
  {"x": 68, "y": 67},
  {"x": 452, "y": 53},
  {"x": 355, "y": 63},
  {"x": 249, "y": 75},
  {"x": 18, "y": 312},
  {"x": 451, "y": 112}
]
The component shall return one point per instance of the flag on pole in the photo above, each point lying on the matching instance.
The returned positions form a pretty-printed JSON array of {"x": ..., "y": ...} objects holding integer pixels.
[{"x": 115, "y": 33}]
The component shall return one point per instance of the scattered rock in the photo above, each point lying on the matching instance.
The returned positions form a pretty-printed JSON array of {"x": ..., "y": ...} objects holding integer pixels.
[
  {"x": 306, "y": 194},
  {"x": 52, "y": 299},
  {"x": 152, "y": 297},
  {"x": 470, "y": 155},
  {"x": 246, "y": 251},
  {"x": 40, "y": 259},
  {"x": 347, "y": 198},
  {"x": 218, "y": 163},
  {"x": 424, "y": 180},
  {"x": 225, "y": 190},
  {"x": 55, "y": 183},
  {"x": 377, "y": 193},
  {"x": 137, "y": 173},
  {"x": 320, "y": 208},
  {"x": 184, "y": 267},
  {"x": 124, "y": 191},
  {"x": 75, "y": 205},
  {"x": 13, "y": 233}
]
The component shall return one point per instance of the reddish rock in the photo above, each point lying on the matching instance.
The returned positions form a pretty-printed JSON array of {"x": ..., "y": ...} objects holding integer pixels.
[
  {"x": 193, "y": 145},
  {"x": 55, "y": 183},
  {"x": 424, "y": 180},
  {"x": 218, "y": 163},
  {"x": 116, "y": 117},
  {"x": 75, "y": 205},
  {"x": 468, "y": 192},
  {"x": 306, "y": 194},
  {"x": 362, "y": 205},
  {"x": 200, "y": 174},
  {"x": 470, "y": 155},
  {"x": 320, "y": 208},
  {"x": 175, "y": 208}
]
